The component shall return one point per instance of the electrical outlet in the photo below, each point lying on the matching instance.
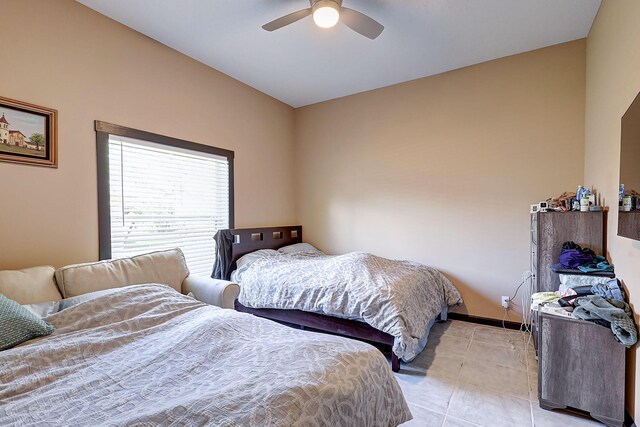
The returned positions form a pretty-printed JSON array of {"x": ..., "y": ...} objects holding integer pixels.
[{"x": 505, "y": 301}]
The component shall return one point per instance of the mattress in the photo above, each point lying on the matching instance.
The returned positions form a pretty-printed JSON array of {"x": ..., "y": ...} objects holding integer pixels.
[{"x": 147, "y": 355}]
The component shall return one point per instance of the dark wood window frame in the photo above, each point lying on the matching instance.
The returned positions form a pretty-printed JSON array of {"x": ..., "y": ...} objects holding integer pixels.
[{"x": 103, "y": 130}]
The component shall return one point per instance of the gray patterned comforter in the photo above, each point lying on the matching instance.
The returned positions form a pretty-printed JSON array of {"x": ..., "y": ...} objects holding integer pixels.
[
  {"x": 147, "y": 356},
  {"x": 400, "y": 298}
]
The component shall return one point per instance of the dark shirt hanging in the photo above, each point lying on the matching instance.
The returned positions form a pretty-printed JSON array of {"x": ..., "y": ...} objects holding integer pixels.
[{"x": 222, "y": 265}]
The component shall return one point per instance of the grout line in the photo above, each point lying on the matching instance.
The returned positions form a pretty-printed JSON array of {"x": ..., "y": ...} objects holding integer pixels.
[{"x": 457, "y": 382}]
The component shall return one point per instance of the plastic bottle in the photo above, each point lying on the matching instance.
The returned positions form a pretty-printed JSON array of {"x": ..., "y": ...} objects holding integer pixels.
[{"x": 584, "y": 204}]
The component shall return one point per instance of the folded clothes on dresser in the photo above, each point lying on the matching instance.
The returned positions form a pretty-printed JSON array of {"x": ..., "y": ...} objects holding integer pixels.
[
  {"x": 582, "y": 260},
  {"x": 599, "y": 263},
  {"x": 575, "y": 280},
  {"x": 609, "y": 289},
  {"x": 557, "y": 310},
  {"x": 616, "y": 313},
  {"x": 602, "y": 304},
  {"x": 545, "y": 298},
  {"x": 588, "y": 291}
]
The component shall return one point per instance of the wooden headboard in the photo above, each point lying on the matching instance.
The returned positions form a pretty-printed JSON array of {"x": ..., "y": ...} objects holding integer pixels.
[{"x": 248, "y": 240}]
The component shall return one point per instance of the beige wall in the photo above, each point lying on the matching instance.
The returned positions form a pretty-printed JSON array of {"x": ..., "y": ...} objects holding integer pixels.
[
  {"x": 613, "y": 81},
  {"x": 88, "y": 67},
  {"x": 442, "y": 170}
]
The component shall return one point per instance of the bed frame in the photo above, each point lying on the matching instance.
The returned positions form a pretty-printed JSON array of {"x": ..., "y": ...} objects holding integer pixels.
[{"x": 247, "y": 240}]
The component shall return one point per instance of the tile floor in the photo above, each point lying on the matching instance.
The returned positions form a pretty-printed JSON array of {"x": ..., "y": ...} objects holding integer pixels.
[{"x": 475, "y": 375}]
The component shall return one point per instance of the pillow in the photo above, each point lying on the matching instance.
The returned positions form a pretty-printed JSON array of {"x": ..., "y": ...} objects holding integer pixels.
[
  {"x": 245, "y": 261},
  {"x": 162, "y": 267},
  {"x": 254, "y": 256},
  {"x": 70, "y": 302},
  {"x": 29, "y": 286},
  {"x": 299, "y": 248},
  {"x": 43, "y": 309},
  {"x": 17, "y": 324}
]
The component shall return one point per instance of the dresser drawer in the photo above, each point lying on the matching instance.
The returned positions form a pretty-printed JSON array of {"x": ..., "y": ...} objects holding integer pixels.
[{"x": 582, "y": 366}]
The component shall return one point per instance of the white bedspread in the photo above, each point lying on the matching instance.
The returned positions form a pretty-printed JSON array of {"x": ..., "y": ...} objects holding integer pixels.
[
  {"x": 146, "y": 355},
  {"x": 397, "y": 297}
]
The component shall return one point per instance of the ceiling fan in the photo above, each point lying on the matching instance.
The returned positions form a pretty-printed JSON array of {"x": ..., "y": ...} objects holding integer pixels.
[{"x": 326, "y": 14}]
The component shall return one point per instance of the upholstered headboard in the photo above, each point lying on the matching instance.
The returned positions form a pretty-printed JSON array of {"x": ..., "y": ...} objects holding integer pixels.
[{"x": 248, "y": 240}]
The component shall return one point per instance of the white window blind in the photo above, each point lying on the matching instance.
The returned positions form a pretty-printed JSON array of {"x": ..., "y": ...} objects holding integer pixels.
[{"x": 163, "y": 197}]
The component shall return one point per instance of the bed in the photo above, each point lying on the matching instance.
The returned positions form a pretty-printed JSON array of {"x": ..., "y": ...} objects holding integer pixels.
[
  {"x": 358, "y": 295},
  {"x": 148, "y": 355}
]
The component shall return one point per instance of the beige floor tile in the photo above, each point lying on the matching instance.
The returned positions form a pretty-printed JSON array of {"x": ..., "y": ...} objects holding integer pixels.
[
  {"x": 430, "y": 392},
  {"x": 455, "y": 328},
  {"x": 533, "y": 387},
  {"x": 447, "y": 345},
  {"x": 489, "y": 408},
  {"x": 544, "y": 418},
  {"x": 526, "y": 337},
  {"x": 423, "y": 418},
  {"x": 498, "y": 355},
  {"x": 496, "y": 378},
  {"x": 532, "y": 362},
  {"x": 498, "y": 336},
  {"x": 454, "y": 422},
  {"x": 429, "y": 363},
  {"x": 528, "y": 343}
]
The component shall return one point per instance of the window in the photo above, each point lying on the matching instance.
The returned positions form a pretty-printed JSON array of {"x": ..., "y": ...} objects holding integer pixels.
[{"x": 156, "y": 192}]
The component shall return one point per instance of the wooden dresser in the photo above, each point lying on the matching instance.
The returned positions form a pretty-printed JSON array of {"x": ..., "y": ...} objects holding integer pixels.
[{"x": 580, "y": 364}]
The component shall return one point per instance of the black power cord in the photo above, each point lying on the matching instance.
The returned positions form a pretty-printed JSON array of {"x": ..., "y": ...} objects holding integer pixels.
[{"x": 519, "y": 286}]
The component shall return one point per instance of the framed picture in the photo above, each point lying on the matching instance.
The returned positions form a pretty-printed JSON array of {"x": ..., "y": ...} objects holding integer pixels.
[{"x": 28, "y": 133}]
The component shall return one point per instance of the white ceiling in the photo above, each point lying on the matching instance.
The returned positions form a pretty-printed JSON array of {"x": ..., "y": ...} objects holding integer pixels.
[{"x": 302, "y": 64}]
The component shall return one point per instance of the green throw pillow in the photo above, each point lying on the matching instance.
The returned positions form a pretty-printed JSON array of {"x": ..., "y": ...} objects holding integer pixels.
[{"x": 17, "y": 324}]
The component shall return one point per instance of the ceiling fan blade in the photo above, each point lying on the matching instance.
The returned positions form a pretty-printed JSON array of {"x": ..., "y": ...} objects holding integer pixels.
[
  {"x": 361, "y": 23},
  {"x": 286, "y": 20}
]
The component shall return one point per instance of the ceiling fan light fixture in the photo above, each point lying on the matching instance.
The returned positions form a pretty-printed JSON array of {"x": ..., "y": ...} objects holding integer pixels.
[{"x": 326, "y": 13}]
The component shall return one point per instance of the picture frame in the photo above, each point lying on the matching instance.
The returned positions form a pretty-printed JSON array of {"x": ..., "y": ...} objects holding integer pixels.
[{"x": 28, "y": 133}]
